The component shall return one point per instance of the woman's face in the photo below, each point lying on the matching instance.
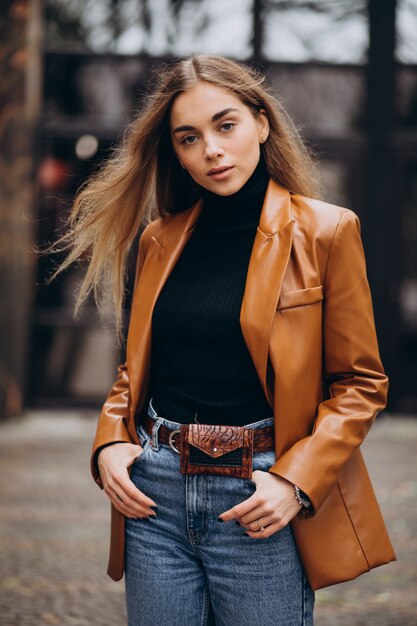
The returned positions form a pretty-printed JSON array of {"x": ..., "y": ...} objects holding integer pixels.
[{"x": 216, "y": 137}]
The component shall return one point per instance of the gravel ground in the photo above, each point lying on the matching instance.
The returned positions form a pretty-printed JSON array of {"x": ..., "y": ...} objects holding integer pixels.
[{"x": 54, "y": 530}]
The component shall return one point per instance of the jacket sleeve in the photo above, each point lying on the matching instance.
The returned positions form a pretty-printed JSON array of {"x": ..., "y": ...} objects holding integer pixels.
[
  {"x": 111, "y": 426},
  {"x": 352, "y": 370}
]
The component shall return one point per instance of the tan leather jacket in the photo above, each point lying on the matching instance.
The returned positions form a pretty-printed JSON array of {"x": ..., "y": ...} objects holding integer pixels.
[{"x": 307, "y": 320}]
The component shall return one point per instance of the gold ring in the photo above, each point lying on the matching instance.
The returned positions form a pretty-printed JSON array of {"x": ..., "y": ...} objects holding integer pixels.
[{"x": 261, "y": 528}]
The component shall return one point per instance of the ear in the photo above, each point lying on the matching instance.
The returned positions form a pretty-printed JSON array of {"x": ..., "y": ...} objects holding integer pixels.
[{"x": 263, "y": 124}]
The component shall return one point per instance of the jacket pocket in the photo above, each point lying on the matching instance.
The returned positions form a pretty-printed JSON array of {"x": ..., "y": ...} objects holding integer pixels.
[{"x": 300, "y": 297}]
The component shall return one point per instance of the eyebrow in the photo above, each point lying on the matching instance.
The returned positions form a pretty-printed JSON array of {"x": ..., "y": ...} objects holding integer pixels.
[{"x": 215, "y": 117}]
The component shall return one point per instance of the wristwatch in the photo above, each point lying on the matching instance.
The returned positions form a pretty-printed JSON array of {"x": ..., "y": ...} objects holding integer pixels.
[{"x": 303, "y": 499}]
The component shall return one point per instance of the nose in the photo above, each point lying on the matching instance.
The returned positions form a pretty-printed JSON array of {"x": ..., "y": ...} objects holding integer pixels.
[{"x": 212, "y": 149}]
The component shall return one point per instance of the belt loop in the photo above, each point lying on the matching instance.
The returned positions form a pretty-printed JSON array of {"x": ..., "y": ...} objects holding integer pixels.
[{"x": 155, "y": 429}]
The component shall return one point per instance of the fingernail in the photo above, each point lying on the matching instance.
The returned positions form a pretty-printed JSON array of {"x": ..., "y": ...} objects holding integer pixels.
[
  {"x": 152, "y": 516},
  {"x": 237, "y": 523},
  {"x": 154, "y": 507},
  {"x": 247, "y": 534},
  {"x": 219, "y": 519}
]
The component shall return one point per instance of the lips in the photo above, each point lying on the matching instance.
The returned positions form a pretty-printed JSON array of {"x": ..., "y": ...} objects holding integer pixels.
[{"x": 219, "y": 170}]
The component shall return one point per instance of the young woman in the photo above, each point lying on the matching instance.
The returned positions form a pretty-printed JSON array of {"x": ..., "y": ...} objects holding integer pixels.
[{"x": 228, "y": 445}]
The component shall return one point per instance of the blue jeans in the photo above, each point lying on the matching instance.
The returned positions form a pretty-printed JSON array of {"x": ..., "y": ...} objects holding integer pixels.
[{"x": 184, "y": 559}]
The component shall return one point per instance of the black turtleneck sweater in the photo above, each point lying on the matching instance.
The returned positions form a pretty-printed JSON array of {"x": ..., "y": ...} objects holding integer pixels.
[{"x": 200, "y": 362}]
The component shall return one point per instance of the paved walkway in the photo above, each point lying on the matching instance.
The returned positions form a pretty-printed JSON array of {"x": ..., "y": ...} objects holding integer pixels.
[{"x": 54, "y": 530}]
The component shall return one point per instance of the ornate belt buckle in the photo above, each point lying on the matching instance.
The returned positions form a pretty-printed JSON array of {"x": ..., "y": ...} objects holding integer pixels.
[{"x": 171, "y": 441}]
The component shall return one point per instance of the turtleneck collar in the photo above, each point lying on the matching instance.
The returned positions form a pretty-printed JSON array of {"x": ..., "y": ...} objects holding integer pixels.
[{"x": 238, "y": 209}]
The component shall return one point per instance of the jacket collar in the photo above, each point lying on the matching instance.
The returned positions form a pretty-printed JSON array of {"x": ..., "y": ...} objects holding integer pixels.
[{"x": 275, "y": 214}]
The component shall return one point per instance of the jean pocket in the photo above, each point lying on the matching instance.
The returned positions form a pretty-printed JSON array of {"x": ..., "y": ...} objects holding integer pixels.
[{"x": 145, "y": 441}]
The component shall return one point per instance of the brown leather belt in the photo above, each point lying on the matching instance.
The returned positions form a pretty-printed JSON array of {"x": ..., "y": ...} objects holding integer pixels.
[{"x": 263, "y": 438}]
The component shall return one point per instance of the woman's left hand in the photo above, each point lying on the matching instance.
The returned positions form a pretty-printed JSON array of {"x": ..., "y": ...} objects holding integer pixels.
[{"x": 272, "y": 506}]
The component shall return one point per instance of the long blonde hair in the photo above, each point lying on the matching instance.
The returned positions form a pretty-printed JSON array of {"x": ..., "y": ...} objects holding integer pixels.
[{"x": 143, "y": 174}]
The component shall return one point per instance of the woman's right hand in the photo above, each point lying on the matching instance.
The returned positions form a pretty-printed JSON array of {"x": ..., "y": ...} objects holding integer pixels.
[{"x": 113, "y": 462}]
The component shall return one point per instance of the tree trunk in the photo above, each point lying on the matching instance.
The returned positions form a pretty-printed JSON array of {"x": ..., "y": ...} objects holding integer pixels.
[{"x": 20, "y": 24}]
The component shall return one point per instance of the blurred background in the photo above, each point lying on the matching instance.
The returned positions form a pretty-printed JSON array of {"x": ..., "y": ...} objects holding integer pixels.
[{"x": 73, "y": 73}]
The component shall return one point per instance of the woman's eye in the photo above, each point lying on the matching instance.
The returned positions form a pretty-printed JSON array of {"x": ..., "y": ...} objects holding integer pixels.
[
  {"x": 227, "y": 126},
  {"x": 190, "y": 139}
]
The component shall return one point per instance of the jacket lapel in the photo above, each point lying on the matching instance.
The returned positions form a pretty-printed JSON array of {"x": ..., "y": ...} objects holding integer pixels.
[
  {"x": 162, "y": 254},
  {"x": 268, "y": 262}
]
